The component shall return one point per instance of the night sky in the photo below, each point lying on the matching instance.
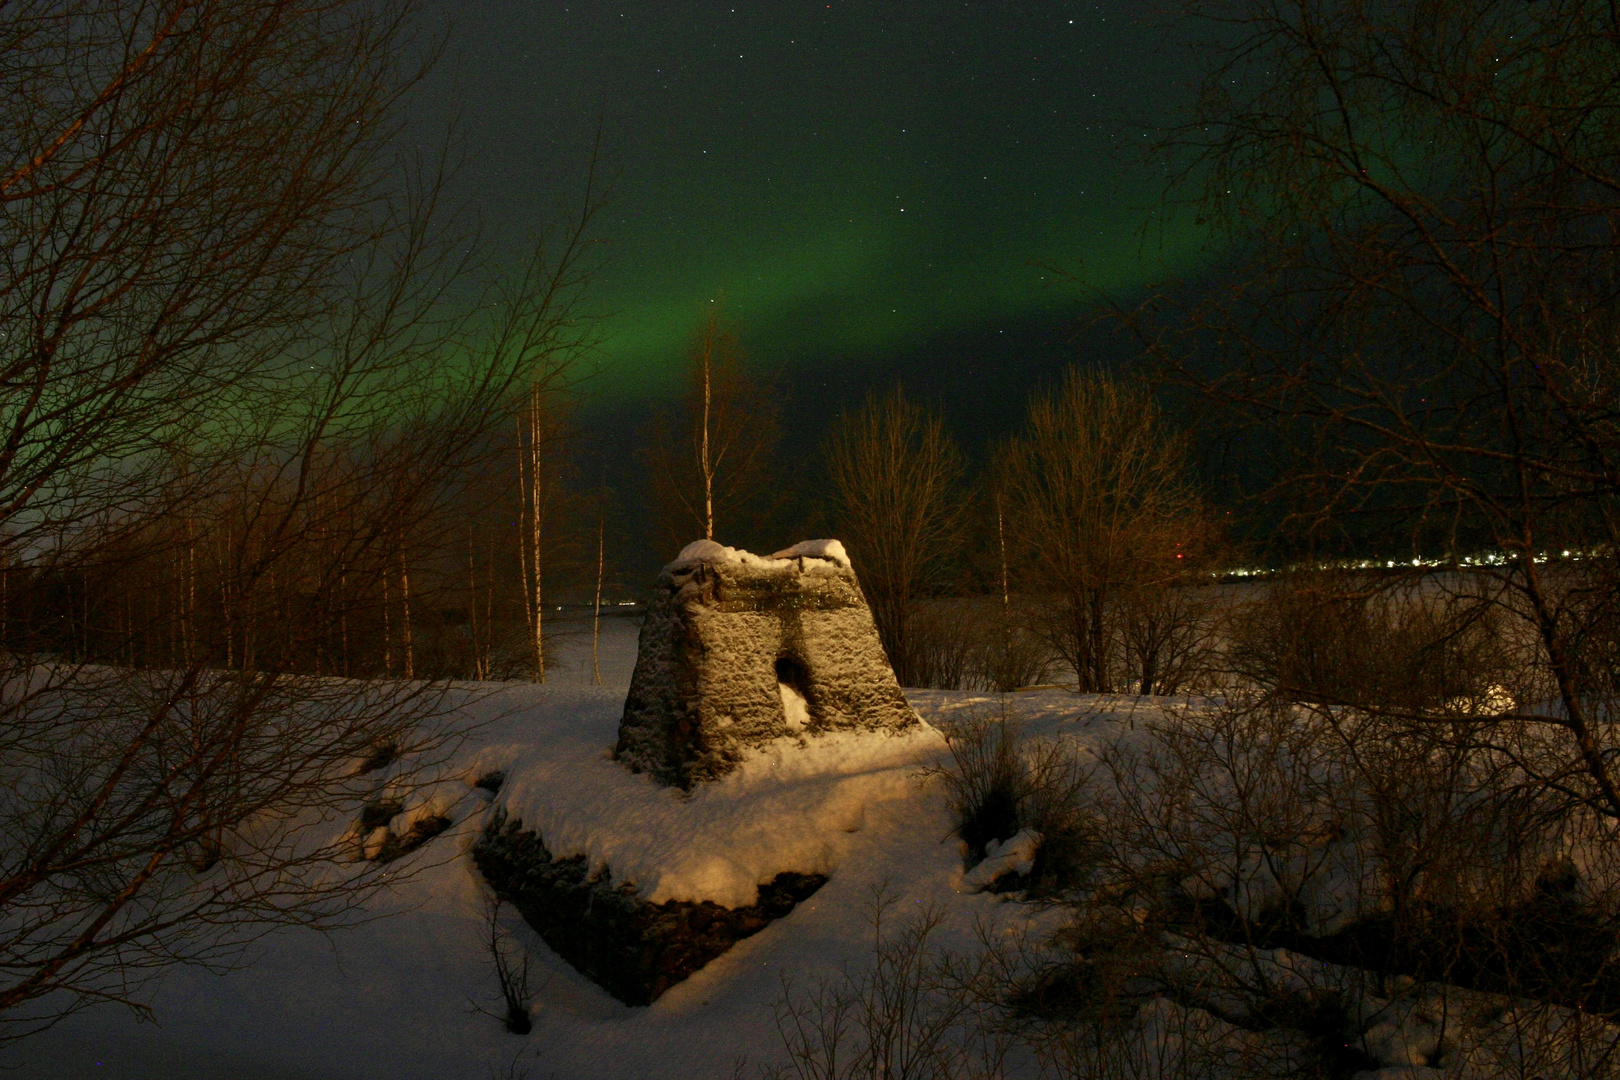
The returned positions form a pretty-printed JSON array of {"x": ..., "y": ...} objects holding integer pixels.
[{"x": 872, "y": 188}]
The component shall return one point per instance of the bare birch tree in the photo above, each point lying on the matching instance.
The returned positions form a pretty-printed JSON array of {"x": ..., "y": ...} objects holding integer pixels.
[
  {"x": 708, "y": 460},
  {"x": 538, "y": 433},
  {"x": 596, "y": 608}
]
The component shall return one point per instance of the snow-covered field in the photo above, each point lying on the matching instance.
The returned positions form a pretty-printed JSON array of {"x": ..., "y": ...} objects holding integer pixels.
[
  {"x": 410, "y": 994},
  {"x": 395, "y": 997}
]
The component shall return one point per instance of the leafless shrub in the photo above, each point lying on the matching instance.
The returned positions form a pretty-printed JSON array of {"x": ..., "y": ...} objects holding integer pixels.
[
  {"x": 1012, "y": 656},
  {"x": 1232, "y": 806},
  {"x": 999, "y": 784},
  {"x": 1056, "y": 805},
  {"x": 1439, "y": 648},
  {"x": 986, "y": 783},
  {"x": 1165, "y": 1040},
  {"x": 944, "y": 642},
  {"x": 959, "y": 643},
  {"x": 912, "y": 1013},
  {"x": 511, "y": 971},
  {"x": 1524, "y": 1040},
  {"x": 1261, "y": 828},
  {"x": 1169, "y": 638},
  {"x": 1124, "y": 1030}
]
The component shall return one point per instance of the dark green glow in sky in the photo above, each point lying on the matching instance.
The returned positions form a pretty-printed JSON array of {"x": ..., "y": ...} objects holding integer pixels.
[{"x": 854, "y": 179}]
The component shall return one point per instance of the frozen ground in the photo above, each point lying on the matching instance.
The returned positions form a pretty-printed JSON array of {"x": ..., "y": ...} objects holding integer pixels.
[
  {"x": 399, "y": 996},
  {"x": 395, "y": 997}
]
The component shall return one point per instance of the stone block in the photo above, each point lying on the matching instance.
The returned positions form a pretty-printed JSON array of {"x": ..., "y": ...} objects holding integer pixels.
[{"x": 738, "y": 650}]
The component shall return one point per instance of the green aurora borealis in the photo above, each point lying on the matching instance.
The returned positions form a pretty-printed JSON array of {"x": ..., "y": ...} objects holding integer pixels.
[{"x": 855, "y": 179}]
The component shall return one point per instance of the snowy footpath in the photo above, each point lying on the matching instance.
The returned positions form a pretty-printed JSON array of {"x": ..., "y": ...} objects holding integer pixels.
[{"x": 400, "y": 996}]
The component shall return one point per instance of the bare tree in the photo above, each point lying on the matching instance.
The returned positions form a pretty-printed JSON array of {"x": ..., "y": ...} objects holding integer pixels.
[
  {"x": 708, "y": 460},
  {"x": 1099, "y": 499},
  {"x": 1426, "y": 199},
  {"x": 539, "y": 435},
  {"x": 171, "y": 239},
  {"x": 225, "y": 408},
  {"x": 896, "y": 478},
  {"x": 596, "y": 608}
]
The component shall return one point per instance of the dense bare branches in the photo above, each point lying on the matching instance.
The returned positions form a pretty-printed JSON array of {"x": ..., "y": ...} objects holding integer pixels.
[
  {"x": 1422, "y": 199},
  {"x": 240, "y": 384},
  {"x": 1429, "y": 192},
  {"x": 1099, "y": 500},
  {"x": 171, "y": 239},
  {"x": 151, "y": 821},
  {"x": 896, "y": 482}
]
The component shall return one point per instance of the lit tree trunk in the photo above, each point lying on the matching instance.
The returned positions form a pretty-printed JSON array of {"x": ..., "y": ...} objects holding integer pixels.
[
  {"x": 188, "y": 613},
  {"x": 472, "y": 604},
  {"x": 321, "y": 608},
  {"x": 1006, "y": 592},
  {"x": 343, "y": 616},
  {"x": 388, "y": 629},
  {"x": 489, "y": 610},
  {"x": 227, "y": 611},
  {"x": 536, "y": 520},
  {"x": 248, "y": 594},
  {"x": 405, "y": 613},
  {"x": 530, "y": 534},
  {"x": 596, "y": 615},
  {"x": 523, "y": 542},
  {"x": 708, "y": 465}
]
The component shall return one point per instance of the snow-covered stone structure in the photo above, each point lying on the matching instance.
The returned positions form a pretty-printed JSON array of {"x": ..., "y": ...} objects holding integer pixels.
[{"x": 739, "y": 650}]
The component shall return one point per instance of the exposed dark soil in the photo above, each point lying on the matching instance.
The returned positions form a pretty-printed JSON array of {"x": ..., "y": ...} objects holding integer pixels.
[{"x": 633, "y": 949}]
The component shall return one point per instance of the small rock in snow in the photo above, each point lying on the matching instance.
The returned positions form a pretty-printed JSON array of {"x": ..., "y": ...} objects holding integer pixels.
[
  {"x": 375, "y": 841},
  {"x": 1410, "y": 1042},
  {"x": 1003, "y": 858}
]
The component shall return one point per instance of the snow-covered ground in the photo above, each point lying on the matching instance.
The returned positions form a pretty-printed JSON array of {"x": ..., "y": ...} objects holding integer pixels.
[
  {"x": 401, "y": 995},
  {"x": 395, "y": 997}
]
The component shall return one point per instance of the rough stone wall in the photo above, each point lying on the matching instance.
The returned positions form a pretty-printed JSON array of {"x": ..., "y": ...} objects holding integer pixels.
[
  {"x": 724, "y": 631},
  {"x": 633, "y": 949}
]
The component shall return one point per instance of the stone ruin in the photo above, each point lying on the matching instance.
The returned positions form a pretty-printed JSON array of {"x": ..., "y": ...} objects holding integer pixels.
[
  {"x": 738, "y": 650},
  {"x": 633, "y": 949}
]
